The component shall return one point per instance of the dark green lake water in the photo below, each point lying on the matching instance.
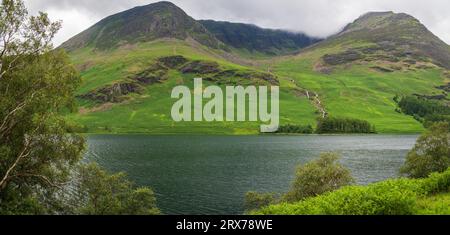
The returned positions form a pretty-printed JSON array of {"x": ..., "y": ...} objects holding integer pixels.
[{"x": 211, "y": 174}]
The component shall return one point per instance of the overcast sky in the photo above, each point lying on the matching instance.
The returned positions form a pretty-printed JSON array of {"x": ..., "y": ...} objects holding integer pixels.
[{"x": 319, "y": 18}]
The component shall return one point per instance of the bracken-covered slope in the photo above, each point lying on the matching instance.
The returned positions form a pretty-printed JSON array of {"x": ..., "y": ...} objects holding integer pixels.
[
  {"x": 255, "y": 39},
  {"x": 141, "y": 24}
]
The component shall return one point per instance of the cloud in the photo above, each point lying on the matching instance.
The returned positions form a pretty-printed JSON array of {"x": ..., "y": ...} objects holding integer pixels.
[{"x": 314, "y": 17}]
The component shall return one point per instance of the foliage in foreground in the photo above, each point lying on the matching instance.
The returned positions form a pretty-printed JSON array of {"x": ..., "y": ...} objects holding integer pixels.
[
  {"x": 100, "y": 193},
  {"x": 38, "y": 157},
  {"x": 36, "y": 84},
  {"x": 391, "y": 197},
  {"x": 435, "y": 205},
  {"x": 317, "y": 177},
  {"x": 430, "y": 154},
  {"x": 323, "y": 175}
]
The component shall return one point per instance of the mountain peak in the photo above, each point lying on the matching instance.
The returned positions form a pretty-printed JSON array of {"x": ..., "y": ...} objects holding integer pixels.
[
  {"x": 377, "y": 20},
  {"x": 141, "y": 24},
  {"x": 163, "y": 5},
  {"x": 395, "y": 35}
]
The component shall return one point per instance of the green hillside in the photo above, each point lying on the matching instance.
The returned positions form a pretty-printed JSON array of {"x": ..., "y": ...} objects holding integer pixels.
[
  {"x": 358, "y": 72},
  {"x": 148, "y": 111},
  {"x": 360, "y": 91},
  {"x": 127, "y": 83}
]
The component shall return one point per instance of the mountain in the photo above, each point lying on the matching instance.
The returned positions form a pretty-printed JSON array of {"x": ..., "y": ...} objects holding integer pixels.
[
  {"x": 390, "y": 37},
  {"x": 256, "y": 39},
  {"x": 358, "y": 72},
  {"x": 131, "y": 61},
  {"x": 140, "y": 24}
]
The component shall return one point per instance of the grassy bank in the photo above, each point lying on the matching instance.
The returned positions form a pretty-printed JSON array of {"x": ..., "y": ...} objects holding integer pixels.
[{"x": 391, "y": 197}]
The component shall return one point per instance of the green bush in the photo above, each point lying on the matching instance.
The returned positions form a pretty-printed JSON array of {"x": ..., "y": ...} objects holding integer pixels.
[
  {"x": 312, "y": 179},
  {"x": 435, "y": 205},
  {"x": 319, "y": 176},
  {"x": 101, "y": 193},
  {"x": 391, "y": 197},
  {"x": 436, "y": 183},
  {"x": 430, "y": 154}
]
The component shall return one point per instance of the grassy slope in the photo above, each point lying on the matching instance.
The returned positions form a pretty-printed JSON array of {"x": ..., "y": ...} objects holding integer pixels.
[
  {"x": 358, "y": 91},
  {"x": 355, "y": 92},
  {"x": 150, "y": 112}
]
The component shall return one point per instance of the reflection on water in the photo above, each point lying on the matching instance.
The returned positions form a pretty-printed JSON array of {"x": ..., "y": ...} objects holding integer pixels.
[{"x": 211, "y": 174}]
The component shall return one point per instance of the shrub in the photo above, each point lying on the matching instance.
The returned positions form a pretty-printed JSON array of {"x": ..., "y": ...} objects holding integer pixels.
[
  {"x": 100, "y": 193},
  {"x": 431, "y": 153},
  {"x": 317, "y": 177},
  {"x": 435, "y": 205}
]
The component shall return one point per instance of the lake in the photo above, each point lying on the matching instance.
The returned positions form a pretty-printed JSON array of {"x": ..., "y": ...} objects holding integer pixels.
[{"x": 210, "y": 174}]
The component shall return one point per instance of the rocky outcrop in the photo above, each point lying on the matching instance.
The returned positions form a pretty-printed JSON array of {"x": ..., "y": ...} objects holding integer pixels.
[
  {"x": 201, "y": 67},
  {"x": 445, "y": 88},
  {"x": 172, "y": 62},
  {"x": 342, "y": 58},
  {"x": 114, "y": 93},
  {"x": 154, "y": 74},
  {"x": 382, "y": 69},
  {"x": 432, "y": 97},
  {"x": 236, "y": 77},
  {"x": 158, "y": 73},
  {"x": 270, "y": 78},
  {"x": 117, "y": 93},
  {"x": 447, "y": 74}
]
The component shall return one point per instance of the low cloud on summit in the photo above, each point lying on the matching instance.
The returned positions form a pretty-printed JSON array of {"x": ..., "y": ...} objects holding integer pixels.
[{"x": 315, "y": 17}]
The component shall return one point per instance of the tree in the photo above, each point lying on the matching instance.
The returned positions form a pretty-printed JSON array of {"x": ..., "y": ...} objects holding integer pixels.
[
  {"x": 38, "y": 157},
  {"x": 430, "y": 154},
  {"x": 36, "y": 84},
  {"x": 22, "y": 36},
  {"x": 344, "y": 125},
  {"x": 319, "y": 176},
  {"x": 100, "y": 193}
]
